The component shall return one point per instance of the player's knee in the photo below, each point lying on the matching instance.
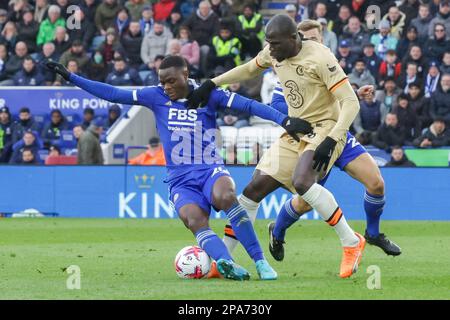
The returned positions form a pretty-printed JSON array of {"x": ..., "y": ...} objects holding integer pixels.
[
  {"x": 302, "y": 184},
  {"x": 376, "y": 186},
  {"x": 196, "y": 223},
  {"x": 227, "y": 199},
  {"x": 251, "y": 192}
]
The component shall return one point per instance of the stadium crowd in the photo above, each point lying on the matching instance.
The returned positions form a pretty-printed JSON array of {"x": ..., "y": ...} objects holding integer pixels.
[{"x": 405, "y": 55}]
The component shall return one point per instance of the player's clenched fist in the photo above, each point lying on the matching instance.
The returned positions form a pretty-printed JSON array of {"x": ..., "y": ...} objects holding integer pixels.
[
  {"x": 58, "y": 68},
  {"x": 200, "y": 96},
  {"x": 296, "y": 125},
  {"x": 365, "y": 90}
]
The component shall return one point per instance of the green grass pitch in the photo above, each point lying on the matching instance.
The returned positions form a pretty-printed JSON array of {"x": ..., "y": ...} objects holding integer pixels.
[{"x": 133, "y": 259}]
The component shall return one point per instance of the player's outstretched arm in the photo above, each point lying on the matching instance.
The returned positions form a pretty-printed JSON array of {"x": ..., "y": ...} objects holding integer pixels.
[
  {"x": 253, "y": 107},
  {"x": 200, "y": 96},
  {"x": 98, "y": 89},
  {"x": 278, "y": 101}
]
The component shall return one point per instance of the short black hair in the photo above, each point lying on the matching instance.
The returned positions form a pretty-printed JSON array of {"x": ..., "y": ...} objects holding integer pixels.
[
  {"x": 24, "y": 110},
  {"x": 173, "y": 61},
  {"x": 27, "y": 148},
  {"x": 89, "y": 110}
]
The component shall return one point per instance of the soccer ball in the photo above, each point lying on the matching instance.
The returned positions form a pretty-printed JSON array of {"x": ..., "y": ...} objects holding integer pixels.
[{"x": 192, "y": 262}]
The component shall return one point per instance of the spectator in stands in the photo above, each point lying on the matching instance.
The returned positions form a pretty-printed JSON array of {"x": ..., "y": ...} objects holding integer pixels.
[
  {"x": 47, "y": 27},
  {"x": 89, "y": 7},
  {"x": 419, "y": 104},
  {"x": 31, "y": 142},
  {"x": 359, "y": 8},
  {"x": 391, "y": 67},
  {"x": 251, "y": 32},
  {"x": 105, "y": 15},
  {"x": 411, "y": 39},
  {"x": 320, "y": 10},
  {"x": 174, "y": 48},
  {"x": 436, "y": 46},
  {"x": 28, "y": 30},
  {"x": 370, "y": 116},
  {"x": 40, "y": 10},
  {"x": 432, "y": 79},
  {"x": 163, "y": 8},
  {"x": 153, "y": 156},
  {"x": 6, "y": 130},
  {"x": 372, "y": 61},
  {"x": 152, "y": 79},
  {"x": 410, "y": 76},
  {"x": 399, "y": 158},
  {"x": 415, "y": 55},
  {"x": 77, "y": 53},
  {"x": 389, "y": 134},
  {"x": 388, "y": 96},
  {"x": 355, "y": 34},
  {"x": 25, "y": 123},
  {"x": 54, "y": 151},
  {"x": 4, "y": 56},
  {"x": 225, "y": 51},
  {"x": 97, "y": 70},
  {"x": 345, "y": 57},
  {"x": 190, "y": 50},
  {"x": 440, "y": 100},
  {"x": 28, "y": 157},
  {"x": 88, "y": 116},
  {"x": 291, "y": 11},
  {"x": 397, "y": 20},
  {"x": 342, "y": 20},
  {"x": 436, "y": 136},
  {"x": 14, "y": 63},
  {"x": 408, "y": 119},
  {"x": 85, "y": 31},
  {"x": 51, "y": 133},
  {"x": 89, "y": 148},
  {"x": 230, "y": 117},
  {"x": 64, "y": 5},
  {"x": 3, "y": 18},
  {"x": 445, "y": 66},
  {"x": 203, "y": 24},
  {"x": 422, "y": 22},
  {"x": 135, "y": 8},
  {"x": 146, "y": 22},
  {"x": 122, "y": 21},
  {"x": 77, "y": 132},
  {"x": 16, "y": 8},
  {"x": 9, "y": 35},
  {"x": 72, "y": 66},
  {"x": 270, "y": 82},
  {"x": 360, "y": 75},
  {"x": 131, "y": 40},
  {"x": 175, "y": 21},
  {"x": 383, "y": 40},
  {"x": 222, "y": 9},
  {"x": 410, "y": 8},
  {"x": 48, "y": 54},
  {"x": 110, "y": 46},
  {"x": 61, "y": 41},
  {"x": 442, "y": 18},
  {"x": 329, "y": 37},
  {"x": 114, "y": 113},
  {"x": 155, "y": 43},
  {"x": 122, "y": 75},
  {"x": 30, "y": 75}
]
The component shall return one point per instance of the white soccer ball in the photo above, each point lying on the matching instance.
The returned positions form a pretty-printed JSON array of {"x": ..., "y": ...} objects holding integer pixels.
[{"x": 192, "y": 262}]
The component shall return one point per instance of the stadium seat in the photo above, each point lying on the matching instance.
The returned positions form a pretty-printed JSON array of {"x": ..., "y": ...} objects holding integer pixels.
[
  {"x": 260, "y": 122},
  {"x": 41, "y": 119},
  {"x": 68, "y": 140},
  {"x": 43, "y": 155},
  {"x": 61, "y": 160},
  {"x": 73, "y": 119}
]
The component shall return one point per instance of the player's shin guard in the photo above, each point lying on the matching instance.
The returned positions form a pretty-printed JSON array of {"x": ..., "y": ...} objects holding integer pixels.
[
  {"x": 324, "y": 203},
  {"x": 211, "y": 243},
  {"x": 286, "y": 218},
  {"x": 373, "y": 205},
  {"x": 251, "y": 207},
  {"x": 243, "y": 229}
]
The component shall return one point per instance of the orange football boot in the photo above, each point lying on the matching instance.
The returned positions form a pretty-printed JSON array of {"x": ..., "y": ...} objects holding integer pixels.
[
  {"x": 213, "y": 272},
  {"x": 351, "y": 258}
]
